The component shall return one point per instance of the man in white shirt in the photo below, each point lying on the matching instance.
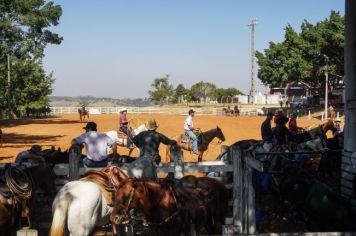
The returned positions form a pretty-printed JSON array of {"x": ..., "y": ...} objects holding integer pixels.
[
  {"x": 189, "y": 128},
  {"x": 96, "y": 145}
]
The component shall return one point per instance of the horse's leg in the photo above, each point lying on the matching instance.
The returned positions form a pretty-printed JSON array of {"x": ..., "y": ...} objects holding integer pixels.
[
  {"x": 200, "y": 157},
  {"x": 168, "y": 153},
  {"x": 130, "y": 151}
]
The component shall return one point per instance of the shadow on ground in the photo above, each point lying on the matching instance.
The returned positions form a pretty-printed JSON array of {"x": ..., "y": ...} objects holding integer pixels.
[
  {"x": 14, "y": 139},
  {"x": 44, "y": 121}
]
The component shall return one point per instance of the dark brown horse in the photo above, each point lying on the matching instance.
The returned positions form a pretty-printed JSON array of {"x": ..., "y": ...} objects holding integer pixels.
[
  {"x": 204, "y": 139},
  {"x": 202, "y": 201},
  {"x": 42, "y": 179},
  {"x": 216, "y": 200},
  {"x": 83, "y": 113}
]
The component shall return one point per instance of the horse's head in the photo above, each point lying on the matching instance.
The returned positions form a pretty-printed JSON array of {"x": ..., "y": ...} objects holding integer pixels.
[
  {"x": 220, "y": 135},
  {"x": 128, "y": 196},
  {"x": 329, "y": 125}
]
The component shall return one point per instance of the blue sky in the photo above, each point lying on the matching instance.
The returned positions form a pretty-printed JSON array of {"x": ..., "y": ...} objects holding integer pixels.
[{"x": 116, "y": 48}]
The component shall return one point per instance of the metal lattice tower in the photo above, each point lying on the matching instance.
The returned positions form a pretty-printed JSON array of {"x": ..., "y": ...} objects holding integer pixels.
[{"x": 252, "y": 24}]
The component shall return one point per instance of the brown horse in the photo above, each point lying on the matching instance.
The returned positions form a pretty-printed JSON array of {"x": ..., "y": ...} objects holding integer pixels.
[
  {"x": 228, "y": 111},
  {"x": 321, "y": 130},
  {"x": 204, "y": 139},
  {"x": 42, "y": 179},
  {"x": 217, "y": 198},
  {"x": 165, "y": 210},
  {"x": 148, "y": 196},
  {"x": 83, "y": 113}
]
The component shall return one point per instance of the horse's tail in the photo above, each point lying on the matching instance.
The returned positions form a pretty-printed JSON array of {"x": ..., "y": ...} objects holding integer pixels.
[{"x": 60, "y": 208}]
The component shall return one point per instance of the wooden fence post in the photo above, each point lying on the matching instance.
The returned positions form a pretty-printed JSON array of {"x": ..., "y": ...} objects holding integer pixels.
[
  {"x": 235, "y": 155},
  {"x": 177, "y": 157},
  {"x": 74, "y": 157},
  {"x": 250, "y": 201}
]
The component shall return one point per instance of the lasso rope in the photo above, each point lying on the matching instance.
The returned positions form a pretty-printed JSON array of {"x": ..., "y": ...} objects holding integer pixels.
[{"x": 19, "y": 192}]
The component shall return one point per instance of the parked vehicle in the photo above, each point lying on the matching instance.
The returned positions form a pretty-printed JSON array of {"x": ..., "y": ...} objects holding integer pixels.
[{"x": 300, "y": 103}]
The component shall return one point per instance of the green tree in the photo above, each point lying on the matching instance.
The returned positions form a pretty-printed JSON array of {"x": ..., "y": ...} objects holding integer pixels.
[
  {"x": 300, "y": 57},
  {"x": 24, "y": 35},
  {"x": 201, "y": 91},
  {"x": 221, "y": 93},
  {"x": 180, "y": 94},
  {"x": 162, "y": 90}
]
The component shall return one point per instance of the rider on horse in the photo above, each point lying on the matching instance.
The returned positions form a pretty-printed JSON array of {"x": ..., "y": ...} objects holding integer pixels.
[
  {"x": 292, "y": 125},
  {"x": 124, "y": 126},
  {"x": 189, "y": 128}
]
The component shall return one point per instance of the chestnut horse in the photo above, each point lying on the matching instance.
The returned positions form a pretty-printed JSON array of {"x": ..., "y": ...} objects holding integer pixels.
[
  {"x": 204, "y": 139},
  {"x": 201, "y": 201}
]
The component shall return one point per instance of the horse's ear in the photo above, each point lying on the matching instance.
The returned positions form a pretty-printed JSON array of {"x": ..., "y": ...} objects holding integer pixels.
[
  {"x": 59, "y": 149},
  {"x": 53, "y": 148}
]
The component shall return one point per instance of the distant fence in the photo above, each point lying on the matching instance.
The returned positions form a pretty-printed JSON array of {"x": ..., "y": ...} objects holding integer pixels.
[{"x": 154, "y": 110}]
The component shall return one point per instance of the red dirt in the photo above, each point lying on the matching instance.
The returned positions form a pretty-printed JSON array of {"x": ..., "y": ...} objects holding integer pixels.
[{"x": 19, "y": 135}]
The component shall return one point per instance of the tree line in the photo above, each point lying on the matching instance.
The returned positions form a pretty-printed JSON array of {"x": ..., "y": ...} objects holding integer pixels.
[
  {"x": 24, "y": 34},
  {"x": 304, "y": 56},
  {"x": 163, "y": 92}
]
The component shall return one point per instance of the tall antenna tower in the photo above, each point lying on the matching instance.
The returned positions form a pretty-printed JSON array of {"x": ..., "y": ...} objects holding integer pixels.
[{"x": 252, "y": 23}]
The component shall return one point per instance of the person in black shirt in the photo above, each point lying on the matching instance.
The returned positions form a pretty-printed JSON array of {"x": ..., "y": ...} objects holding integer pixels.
[
  {"x": 266, "y": 130},
  {"x": 148, "y": 142}
]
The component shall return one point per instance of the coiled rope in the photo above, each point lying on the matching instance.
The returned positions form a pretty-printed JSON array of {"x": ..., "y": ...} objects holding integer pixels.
[{"x": 22, "y": 188}]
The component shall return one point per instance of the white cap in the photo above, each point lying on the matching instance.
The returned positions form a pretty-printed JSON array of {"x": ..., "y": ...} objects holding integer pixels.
[{"x": 123, "y": 109}]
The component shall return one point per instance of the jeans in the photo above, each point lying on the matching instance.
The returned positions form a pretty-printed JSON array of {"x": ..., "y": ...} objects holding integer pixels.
[
  {"x": 90, "y": 163},
  {"x": 126, "y": 130},
  {"x": 194, "y": 139}
]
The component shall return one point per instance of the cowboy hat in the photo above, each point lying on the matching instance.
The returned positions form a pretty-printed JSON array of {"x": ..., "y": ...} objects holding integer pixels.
[
  {"x": 151, "y": 124},
  {"x": 90, "y": 125},
  {"x": 123, "y": 109}
]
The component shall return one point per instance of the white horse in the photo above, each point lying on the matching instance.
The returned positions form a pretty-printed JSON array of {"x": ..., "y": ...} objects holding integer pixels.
[
  {"x": 79, "y": 206},
  {"x": 122, "y": 140}
]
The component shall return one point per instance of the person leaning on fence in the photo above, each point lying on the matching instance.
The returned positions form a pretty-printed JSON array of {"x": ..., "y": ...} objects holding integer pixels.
[
  {"x": 189, "y": 128},
  {"x": 33, "y": 155},
  {"x": 124, "y": 126},
  {"x": 96, "y": 145},
  {"x": 266, "y": 129}
]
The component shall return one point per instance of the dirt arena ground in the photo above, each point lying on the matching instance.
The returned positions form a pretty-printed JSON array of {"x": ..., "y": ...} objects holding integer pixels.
[{"x": 58, "y": 131}]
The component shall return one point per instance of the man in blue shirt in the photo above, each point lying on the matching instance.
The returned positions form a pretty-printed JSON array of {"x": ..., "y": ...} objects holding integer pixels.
[{"x": 266, "y": 129}]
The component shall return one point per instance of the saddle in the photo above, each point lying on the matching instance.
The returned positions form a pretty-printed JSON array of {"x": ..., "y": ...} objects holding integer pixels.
[
  {"x": 185, "y": 138},
  {"x": 108, "y": 180}
]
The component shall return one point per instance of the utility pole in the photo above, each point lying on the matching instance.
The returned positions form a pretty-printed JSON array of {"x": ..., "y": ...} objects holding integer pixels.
[
  {"x": 326, "y": 58},
  {"x": 252, "y": 24},
  {"x": 9, "y": 105}
]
